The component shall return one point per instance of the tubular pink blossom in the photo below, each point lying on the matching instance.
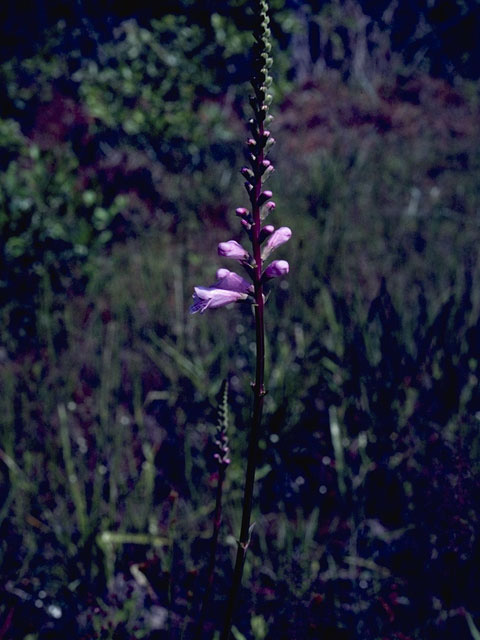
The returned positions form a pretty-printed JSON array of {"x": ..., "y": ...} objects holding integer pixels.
[
  {"x": 276, "y": 268},
  {"x": 278, "y": 237},
  {"x": 232, "y": 249},
  {"x": 231, "y": 281},
  {"x": 211, "y": 298}
]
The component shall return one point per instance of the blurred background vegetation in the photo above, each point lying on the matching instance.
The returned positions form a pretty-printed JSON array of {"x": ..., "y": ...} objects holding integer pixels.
[{"x": 121, "y": 137}]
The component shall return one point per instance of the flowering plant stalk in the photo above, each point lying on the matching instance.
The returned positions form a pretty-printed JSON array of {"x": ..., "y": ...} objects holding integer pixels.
[{"x": 231, "y": 287}]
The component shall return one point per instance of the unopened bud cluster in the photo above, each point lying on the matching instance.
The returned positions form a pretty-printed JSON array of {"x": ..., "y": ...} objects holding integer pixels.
[
  {"x": 223, "y": 451},
  {"x": 222, "y": 454}
]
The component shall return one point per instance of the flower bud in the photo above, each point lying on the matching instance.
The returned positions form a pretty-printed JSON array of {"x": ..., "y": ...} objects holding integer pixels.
[
  {"x": 268, "y": 172},
  {"x": 253, "y": 128},
  {"x": 266, "y": 231},
  {"x": 276, "y": 269},
  {"x": 278, "y": 237},
  {"x": 232, "y": 249},
  {"x": 263, "y": 197},
  {"x": 231, "y": 281},
  {"x": 270, "y": 142},
  {"x": 260, "y": 92},
  {"x": 222, "y": 273},
  {"x": 241, "y": 212},
  {"x": 248, "y": 173},
  {"x": 266, "y": 209}
]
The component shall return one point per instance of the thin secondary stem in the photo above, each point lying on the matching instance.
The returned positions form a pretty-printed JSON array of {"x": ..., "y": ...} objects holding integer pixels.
[{"x": 213, "y": 551}]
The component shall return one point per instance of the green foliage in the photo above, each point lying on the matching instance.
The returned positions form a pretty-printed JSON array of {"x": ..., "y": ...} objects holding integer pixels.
[
  {"x": 146, "y": 89},
  {"x": 153, "y": 87},
  {"x": 48, "y": 227}
]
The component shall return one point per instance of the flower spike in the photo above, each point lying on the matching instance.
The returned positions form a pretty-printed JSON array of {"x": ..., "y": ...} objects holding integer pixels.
[{"x": 230, "y": 287}]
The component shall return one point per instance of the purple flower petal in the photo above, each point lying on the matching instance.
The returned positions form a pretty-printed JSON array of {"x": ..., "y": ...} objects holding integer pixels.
[
  {"x": 211, "y": 298},
  {"x": 276, "y": 268},
  {"x": 231, "y": 281},
  {"x": 232, "y": 249}
]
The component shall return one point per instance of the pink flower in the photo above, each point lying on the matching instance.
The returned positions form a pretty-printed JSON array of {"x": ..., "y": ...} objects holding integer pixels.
[
  {"x": 232, "y": 249},
  {"x": 278, "y": 237},
  {"x": 230, "y": 287},
  {"x": 232, "y": 281},
  {"x": 276, "y": 268},
  {"x": 212, "y": 298}
]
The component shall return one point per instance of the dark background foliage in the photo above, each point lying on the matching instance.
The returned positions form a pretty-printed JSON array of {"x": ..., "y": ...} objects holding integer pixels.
[
  {"x": 448, "y": 28},
  {"x": 121, "y": 136}
]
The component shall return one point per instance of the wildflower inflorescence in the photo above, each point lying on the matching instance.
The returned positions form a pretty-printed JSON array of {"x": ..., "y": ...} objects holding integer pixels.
[{"x": 230, "y": 287}]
